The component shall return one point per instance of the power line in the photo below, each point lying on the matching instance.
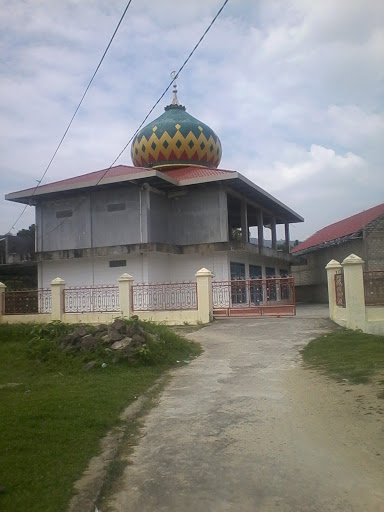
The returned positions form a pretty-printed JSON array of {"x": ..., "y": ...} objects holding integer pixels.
[
  {"x": 76, "y": 111},
  {"x": 150, "y": 111},
  {"x": 170, "y": 83}
]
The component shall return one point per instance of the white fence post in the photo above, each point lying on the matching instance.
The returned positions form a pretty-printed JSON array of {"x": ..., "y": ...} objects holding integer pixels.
[
  {"x": 2, "y": 299},
  {"x": 354, "y": 291},
  {"x": 332, "y": 269},
  {"x": 57, "y": 287},
  {"x": 125, "y": 294},
  {"x": 204, "y": 295}
]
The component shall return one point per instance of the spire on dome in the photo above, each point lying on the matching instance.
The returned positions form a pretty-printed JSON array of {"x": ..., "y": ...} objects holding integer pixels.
[{"x": 175, "y": 100}]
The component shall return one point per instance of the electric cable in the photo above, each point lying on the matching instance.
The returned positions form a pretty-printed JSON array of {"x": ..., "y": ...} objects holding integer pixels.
[
  {"x": 75, "y": 112},
  {"x": 148, "y": 114}
]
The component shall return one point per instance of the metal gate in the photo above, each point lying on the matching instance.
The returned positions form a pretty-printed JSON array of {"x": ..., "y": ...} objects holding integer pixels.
[{"x": 254, "y": 297}]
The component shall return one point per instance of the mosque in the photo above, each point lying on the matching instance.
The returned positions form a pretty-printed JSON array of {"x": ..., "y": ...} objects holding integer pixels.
[{"x": 164, "y": 218}]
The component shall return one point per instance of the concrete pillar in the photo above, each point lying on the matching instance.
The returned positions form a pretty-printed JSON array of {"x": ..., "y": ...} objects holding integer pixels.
[
  {"x": 332, "y": 269},
  {"x": 125, "y": 294},
  {"x": 223, "y": 212},
  {"x": 273, "y": 233},
  {"x": 244, "y": 222},
  {"x": 287, "y": 238},
  {"x": 57, "y": 287},
  {"x": 2, "y": 299},
  {"x": 204, "y": 295},
  {"x": 260, "y": 231},
  {"x": 354, "y": 291}
]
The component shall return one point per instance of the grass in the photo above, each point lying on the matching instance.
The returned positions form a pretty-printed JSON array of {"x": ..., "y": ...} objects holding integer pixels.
[
  {"x": 52, "y": 421},
  {"x": 346, "y": 354}
]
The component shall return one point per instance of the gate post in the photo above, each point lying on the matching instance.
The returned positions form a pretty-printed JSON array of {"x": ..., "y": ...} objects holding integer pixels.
[
  {"x": 204, "y": 295},
  {"x": 125, "y": 294},
  {"x": 332, "y": 269},
  {"x": 57, "y": 287},
  {"x": 354, "y": 291},
  {"x": 2, "y": 300}
]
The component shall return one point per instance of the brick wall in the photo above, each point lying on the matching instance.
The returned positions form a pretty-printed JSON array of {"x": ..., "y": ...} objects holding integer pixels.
[
  {"x": 374, "y": 240},
  {"x": 314, "y": 272},
  {"x": 312, "y": 277}
]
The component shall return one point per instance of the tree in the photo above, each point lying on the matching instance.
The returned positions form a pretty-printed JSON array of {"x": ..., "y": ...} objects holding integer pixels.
[{"x": 27, "y": 233}]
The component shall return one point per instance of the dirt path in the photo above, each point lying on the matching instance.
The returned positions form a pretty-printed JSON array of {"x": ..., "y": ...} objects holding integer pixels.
[{"x": 244, "y": 428}]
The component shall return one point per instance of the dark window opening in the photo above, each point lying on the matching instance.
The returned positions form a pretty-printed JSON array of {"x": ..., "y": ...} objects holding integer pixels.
[
  {"x": 115, "y": 207},
  {"x": 255, "y": 272},
  {"x": 255, "y": 288},
  {"x": 237, "y": 270},
  {"x": 63, "y": 214},
  {"x": 118, "y": 263},
  {"x": 238, "y": 290}
]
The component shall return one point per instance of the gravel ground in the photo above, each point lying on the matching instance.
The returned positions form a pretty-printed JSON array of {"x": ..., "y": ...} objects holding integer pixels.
[{"x": 245, "y": 428}]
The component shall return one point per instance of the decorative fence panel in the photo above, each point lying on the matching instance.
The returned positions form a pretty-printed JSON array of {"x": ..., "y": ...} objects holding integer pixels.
[
  {"x": 374, "y": 288},
  {"x": 91, "y": 299},
  {"x": 340, "y": 291},
  {"x": 26, "y": 302},
  {"x": 254, "y": 296},
  {"x": 164, "y": 296}
]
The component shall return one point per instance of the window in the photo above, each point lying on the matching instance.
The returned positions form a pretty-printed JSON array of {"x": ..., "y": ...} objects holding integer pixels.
[
  {"x": 63, "y": 214},
  {"x": 115, "y": 207},
  {"x": 283, "y": 272},
  {"x": 255, "y": 272},
  {"x": 117, "y": 263},
  {"x": 255, "y": 288},
  {"x": 270, "y": 271},
  {"x": 238, "y": 290},
  {"x": 237, "y": 270}
]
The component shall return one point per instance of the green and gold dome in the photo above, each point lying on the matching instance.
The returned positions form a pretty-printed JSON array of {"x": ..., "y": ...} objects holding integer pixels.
[{"x": 176, "y": 139}]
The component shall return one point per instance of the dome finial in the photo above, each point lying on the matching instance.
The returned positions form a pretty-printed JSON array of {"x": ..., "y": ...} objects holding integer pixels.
[{"x": 175, "y": 100}]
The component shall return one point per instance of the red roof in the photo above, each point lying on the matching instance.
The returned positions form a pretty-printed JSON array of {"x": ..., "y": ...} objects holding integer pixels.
[
  {"x": 341, "y": 229},
  {"x": 190, "y": 173},
  {"x": 90, "y": 178},
  {"x": 123, "y": 172}
]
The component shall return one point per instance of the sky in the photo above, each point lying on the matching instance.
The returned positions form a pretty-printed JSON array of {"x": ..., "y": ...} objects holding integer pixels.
[{"x": 293, "y": 88}]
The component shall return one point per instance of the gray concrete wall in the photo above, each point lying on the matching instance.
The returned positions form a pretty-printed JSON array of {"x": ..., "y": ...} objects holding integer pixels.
[
  {"x": 92, "y": 224},
  {"x": 314, "y": 271},
  {"x": 312, "y": 277},
  {"x": 115, "y": 227},
  {"x": 198, "y": 217},
  {"x": 64, "y": 233}
]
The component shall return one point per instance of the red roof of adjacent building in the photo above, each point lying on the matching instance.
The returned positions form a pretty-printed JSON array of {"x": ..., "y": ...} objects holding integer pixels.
[{"x": 341, "y": 229}]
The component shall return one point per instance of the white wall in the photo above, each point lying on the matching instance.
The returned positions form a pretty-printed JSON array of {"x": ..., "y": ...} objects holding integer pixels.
[
  {"x": 147, "y": 268},
  {"x": 87, "y": 271}
]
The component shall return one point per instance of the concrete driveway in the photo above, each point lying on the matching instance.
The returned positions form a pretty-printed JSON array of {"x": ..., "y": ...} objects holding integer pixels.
[{"x": 234, "y": 431}]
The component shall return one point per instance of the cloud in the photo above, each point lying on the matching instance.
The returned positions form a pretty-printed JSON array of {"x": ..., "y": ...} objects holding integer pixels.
[{"x": 293, "y": 88}]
